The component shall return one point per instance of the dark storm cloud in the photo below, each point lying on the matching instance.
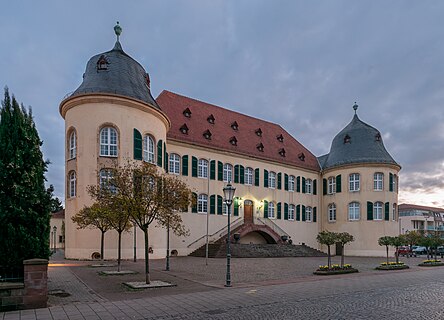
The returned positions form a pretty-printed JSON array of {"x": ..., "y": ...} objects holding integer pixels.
[{"x": 301, "y": 64}]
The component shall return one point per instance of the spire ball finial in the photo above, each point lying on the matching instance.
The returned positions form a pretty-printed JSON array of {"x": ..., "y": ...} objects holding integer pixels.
[
  {"x": 117, "y": 30},
  {"x": 355, "y": 107}
]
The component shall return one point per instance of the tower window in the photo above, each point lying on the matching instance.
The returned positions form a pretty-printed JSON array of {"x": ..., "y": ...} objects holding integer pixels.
[
  {"x": 108, "y": 142},
  {"x": 102, "y": 63},
  {"x": 378, "y": 137},
  {"x": 347, "y": 139}
]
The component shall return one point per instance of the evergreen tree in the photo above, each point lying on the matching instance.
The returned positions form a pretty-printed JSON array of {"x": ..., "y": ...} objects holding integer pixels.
[
  {"x": 25, "y": 204},
  {"x": 56, "y": 204}
]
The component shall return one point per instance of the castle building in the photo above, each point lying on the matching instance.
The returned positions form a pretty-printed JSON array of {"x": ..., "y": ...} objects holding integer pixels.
[{"x": 282, "y": 189}]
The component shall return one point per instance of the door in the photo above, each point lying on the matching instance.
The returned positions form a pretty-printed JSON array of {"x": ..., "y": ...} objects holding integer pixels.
[{"x": 248, "y": 211}]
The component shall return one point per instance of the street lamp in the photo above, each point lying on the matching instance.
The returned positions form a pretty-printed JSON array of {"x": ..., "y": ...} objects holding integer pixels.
[
  {"x": 54, "y": 229},
  {"x": 228, "y": 196}
]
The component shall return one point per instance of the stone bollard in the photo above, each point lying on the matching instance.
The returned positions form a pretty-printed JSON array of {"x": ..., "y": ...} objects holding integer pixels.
[{"x": 36, "y": 283}]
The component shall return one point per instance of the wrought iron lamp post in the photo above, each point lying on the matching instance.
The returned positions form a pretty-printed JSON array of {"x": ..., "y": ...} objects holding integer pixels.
[
  {"x": 228, "y": 195},
  {"x": 54, "y": 229}
]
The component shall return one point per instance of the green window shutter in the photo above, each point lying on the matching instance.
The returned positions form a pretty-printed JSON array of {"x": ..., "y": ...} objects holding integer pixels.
[
  {"x": 213, "y": 169},
  {"x": 298, "y": 184},
  {"x": 159, "y": 153},
  {"x": 391, "y": 182},
  {"x": 303, "y": 185},
  {"x": 265, "y": 209},
  {"x": 219, "y": 204},
  {"x": 286, "y": 182},
  {"x": 314, "y": 214},
  {"x": 212, "y": 204},
  {"x": 167, "y": 157},
  {"x": 303, "y": 213},
  {"x": 387, "y": 211},
  {"x": 265, "y": 178},
  {"x": 256, "y": 177},
  {"x": 279, "y": 209},
  {"x": 369, "y": 210},
  {"x": 338, "y": 183},
  {"x": 185, "y": 165},
  {"x": 220, "y": 171},
  {"x": 194, "y": 205},
  {"x": 285, "y": 211},
  {"x": 236, "y": 173},
  {"x": 315, "y": 187},
  {"x": 236, "y": 206},
  {"x": 279, "y": 180},
  {"x": 193, "y": 166},
  {"x": 324, "y": 186},
  {"x": 242, "y": 175},
  {"x": 298, "y": 212},
  {"x": 137, "y": 140}
]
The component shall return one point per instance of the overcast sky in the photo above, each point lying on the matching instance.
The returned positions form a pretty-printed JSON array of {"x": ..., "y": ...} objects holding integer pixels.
[{"x": 301, "y": 64}]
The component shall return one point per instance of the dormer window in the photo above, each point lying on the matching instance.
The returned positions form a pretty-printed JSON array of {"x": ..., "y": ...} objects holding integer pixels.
[
  {"x": 233, "y": 141},
  {"x": 260, "y": 147},
  {"x": 235, "y": 126},
  {"x": 207, "y": 135},
  {"x": 102, "y": 63},
  {"x": 187, "y": 113},
  {"x": 258, "y": 132},
  {"x": 347, "y": 139},
  {"x": 282, "y": 152},
  {"x": 280, "y": 138},
  {"x": 184, "y": 129},
  {"x": 147, "y": 80},
  {"x": 301, "y": 156},
  {"x": 211, "y": 119},
  {"x": 378, "y": 137}
]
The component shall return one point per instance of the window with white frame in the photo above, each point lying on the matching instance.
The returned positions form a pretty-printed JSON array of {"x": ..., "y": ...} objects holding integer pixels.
[
  {"x": 354, "y": 211},
  {"x": 248, "y": 176},
  {"x": 291, "y": 183},
  {"x": 291, "y": 210},
  {"x": 331, "y": 185},
  {"x": 354, "y": 182},
  {"x": 394, "y": 212},
  {"x": 271, "y": 210},
  {"x": 202, "y": 203},
  {"x": 72, "y": 145},
  {"x": 308, "y": 214},
  {"x": 228, "y": 172},
  {"x": 105, "y": 176},
  {"x": 224, "y": 208},
  {"x": 202, "y": 168},
  {"x": 308, "y": 186},
  {"x": 174, "y": 167},
  {"x": 395, "y": 183},
  {"x": 148, "y": 149},
  {"x": 272, "y": 180},
  {"x": 108, "y": 142},
  {"x": 332, "y": 212},
  {"x": 377, "y": 210},
  {"x": 72, "y": 184},
  {"x": 378, "y": 181}
]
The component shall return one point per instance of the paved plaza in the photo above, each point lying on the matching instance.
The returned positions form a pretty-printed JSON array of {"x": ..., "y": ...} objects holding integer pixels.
[{"x": 273, "y": 288}]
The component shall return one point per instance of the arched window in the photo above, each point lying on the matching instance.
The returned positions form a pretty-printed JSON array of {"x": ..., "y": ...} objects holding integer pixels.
[
  {"x": 72, "y": 187},
  {"x": 291, "y": 210},
  {"x": 174, "y": 163},
  {"x": 202, "y": 168},
  {"x": 331, "y": 212},
  {"x": 249, "y": 176},
  {"x": 291, "y": 183},
  {"x": 228, "y": 172},
  {"x": 308, "y": 186},
  {"x": 105, "y": 177},
  {"x": 378, "y": 181},
  {"x": 308, "y": 216},
  {"x": 331, "y": 185},
  {"x": 202, "y": 203},
  {"x": 354, "y": 211},
  {"x": 108, "y": 142},
  {"x": 272, "y": 180},
  {"x": 72, "y": 145},
  {"x": 354, "y": 182},
  {"x": 271, "y": 210},
  {"x": 148, "y": 149},
  {"x": 377, "y": 210}
]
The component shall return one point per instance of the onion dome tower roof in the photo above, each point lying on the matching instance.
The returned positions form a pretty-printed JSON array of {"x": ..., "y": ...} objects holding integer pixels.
[
  {"x": 115, "y": 72},
  {"x": 357, "y": 143}
]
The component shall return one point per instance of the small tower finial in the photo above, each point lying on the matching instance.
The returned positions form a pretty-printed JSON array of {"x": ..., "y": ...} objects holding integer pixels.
[
  {"x": 355, "y": 107},
  {"x": 117, "y": 30}
]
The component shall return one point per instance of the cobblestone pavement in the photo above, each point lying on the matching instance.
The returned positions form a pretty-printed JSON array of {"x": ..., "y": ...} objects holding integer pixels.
[{"x": 415, "y": 294}]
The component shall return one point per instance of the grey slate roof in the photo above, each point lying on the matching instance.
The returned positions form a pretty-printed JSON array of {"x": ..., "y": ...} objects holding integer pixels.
[
  {"x": 123, "y": 76},
  {"x": 363, "y": 147}
]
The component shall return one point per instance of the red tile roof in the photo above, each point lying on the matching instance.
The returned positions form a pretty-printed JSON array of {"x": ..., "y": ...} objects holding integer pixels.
[
  {"x": 405, "y": 207},
  {"x": 222, "y": 131},
  {"x": 59, "y": 214}
]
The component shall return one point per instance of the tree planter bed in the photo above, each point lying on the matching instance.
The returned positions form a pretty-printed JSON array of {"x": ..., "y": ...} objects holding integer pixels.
[
  {"x": 392, "y": 267},
  {"x": 431, "y": 263},
  {"x": 333, "y": 272}
]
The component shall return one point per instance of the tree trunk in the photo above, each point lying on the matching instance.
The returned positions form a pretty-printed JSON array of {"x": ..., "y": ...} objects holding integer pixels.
[
  {"x": 342, "y": 255},
  {"x": 119, "y": 251},
  {"x": 147, "y": 259},
  {"x": 102, "y": 242},
  {"x": 329, "y": 257},
  {"x": 397, "y": 255},
  {"x": 387, "y": 249}
]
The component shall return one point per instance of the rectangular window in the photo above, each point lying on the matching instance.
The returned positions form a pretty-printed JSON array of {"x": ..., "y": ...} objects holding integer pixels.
[
  {"x": 271, "y": 210},
  {"x": 354, "y": 183},
  {"x": 228, "y": 173},
  {"x": 354, "y": 211},
  {"x": 174, "y": 163},
  {"x": 249, "y": 176},
  {"x": 202, "y": 203},
  {"x": 377, "y": 211},
  {"x": 332, "y": 212},
  {"x": 308, "y": 186},
  {"x": 202, "y": 168},
  {"x": 331, "y": 185},
  {"x": 308, "y": 212},
  {"x": 272, "y": 180},
  {"x": 291, "y": 183},
  {"x": 378, "y": 181},
  {"x": 291, "y": 211}
]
